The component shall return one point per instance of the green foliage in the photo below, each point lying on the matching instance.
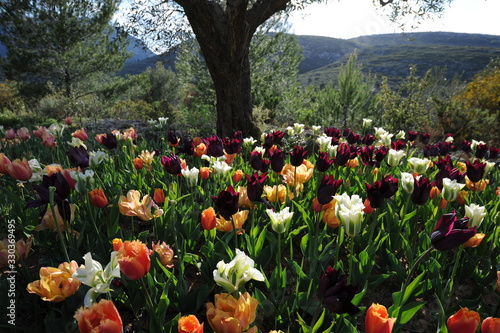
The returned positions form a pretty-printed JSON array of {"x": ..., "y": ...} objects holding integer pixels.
[{"x": 133, "y": 110}]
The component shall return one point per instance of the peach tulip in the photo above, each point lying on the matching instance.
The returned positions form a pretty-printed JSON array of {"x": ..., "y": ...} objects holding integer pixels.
[
  {"x": 20, "y": 170},
  {"x": 56, "y": 284},
  {"x": 98, "y": 198},
  {"x": 189, "y": 324},
  {"x": 490, "y": 325},
  {"x": 237, "y": 222},
  {"x": 4, "y": 162},
  {"x": 330, "y": 218},
  {"x": 377, "y": 319},
  {"x": 208, "y": 218},
  {"x": 133, "y": 257},
  {"x": 80, "y": 134},
  {"x": 165, "y": 252},
  {"x": 21, "y": 250},
  {"x": 231, "y": 315},
  {"x": 132, "y": 205},
  {"x": 475, "y": 240},
  {"x": 99, "y": 317},
  {"x": 463, "y": 321}
]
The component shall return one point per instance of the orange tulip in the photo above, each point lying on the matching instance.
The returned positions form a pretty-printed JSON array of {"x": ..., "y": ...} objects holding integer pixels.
[
  {"x": 199, "y": 150},
  {"x": 159, "y": 196},
  {"x": 20, "y": 170},
  {"x": 277, "y": 193},
  {"x": 330, "y": 218},
  {"x": 99, "y": 317},
  {"x": 497, "y": 192},
  {"x": 377, "y": 319},
  {"x": 435, "y": 192},
  {"x": 463, "y": 321},
  {"x": 243, "y": 200},
  {"x": 231, "y": 315},
  {"x": 462, "y": 197},
  {"x": 498, "y": 281},
  {"x": 238, "y": 220},
  {"x": 352, "y": 163},
  {"x": 205, "y": 172},
  {"x": 475, "y": 240},
  {"x": 238, "y": 174},
  {"x": 368, "y": 208},
  {"x": 4, "y": 162},
  {"x": 80, "y": 134},
  {"x": 21, "y": 250},
  {"x": 55, "y": 284},
  {"x": 208, "y": 218},
  {"x": 138, "y": 163},
  {"x": 133, "y": 257},
  {"x": 189, "y": 324},
  {"x": 490, "y": 325},
  {"x": 98, "y": 198},
  {"x": 477, "y": 186},
  {"x": 165, "y": 252}
]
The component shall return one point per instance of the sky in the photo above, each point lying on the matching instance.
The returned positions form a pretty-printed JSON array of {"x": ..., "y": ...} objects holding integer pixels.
[{"x": 352, "y": 18}]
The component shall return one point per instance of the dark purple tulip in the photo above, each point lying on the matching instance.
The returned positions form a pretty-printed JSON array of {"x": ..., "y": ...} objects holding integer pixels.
[
  {"x": 327, "y": 189},
  {"x": 425, "y": 138},
  {"x": 421, "y": 190},
  {"x": 346, "y": 132},
  {"x": 256, "y": 160},
  {"x": 336, "y": 296},
  {"x": 186, "y": 147},
  {"x": 323, "y": 162},
  {"x": 368, "y": 140},
  {"x": 431, "y": 151},
  {"x": 475, "y": 171},
  {"x": 445, "y": 148},
  {"x": 238, "y": 135},
  {"x": 78, "y": 157},
  {"x": 374, "y": 192},
  {"x": 389, "y": 186},
  {"x": 268, "y": 140},
  {"x": 265, "y": 165},
  {"x": 353, "y": 138},
  {"x": 493, "y": 153},
  {"x": 481, "y": 151},
  {"x": 442, "y": 162},
  {"x": 255, "y": 186},
  {"x": 232, "y": 146},
  {"x": 172, "y": 164},
  {"x": 343, "y": 154},
  {"x": 398, "y": 145},
  {"x": 277, "y": 160},
  {"x": 380, "y": 153},
  {"x": 335, "y": 141},
  {"x": 466, "y": 147},
  {"x": 173, "y": 139},
  {"x": 109, "y": 141},
  {"x": 451, "y": 232},
  {"x": 332, "y": 132},
  {"x": 278, "y": 137},
  {"x": 446, "y": 170},
  {"x": 61, "y": 193},
  {"x": 214, "y": 146},
  {"x": 227, "y": 202},
  {"x": 297, "y": 156},
  {"x": 412, "y": 135}
]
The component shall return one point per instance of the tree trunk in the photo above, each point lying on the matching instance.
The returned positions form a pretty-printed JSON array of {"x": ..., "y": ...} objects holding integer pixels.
[{"x": 224, "y": 35}]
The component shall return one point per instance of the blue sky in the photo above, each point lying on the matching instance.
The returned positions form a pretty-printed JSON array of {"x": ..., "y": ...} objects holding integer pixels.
[{"x": 352, "y": 18}]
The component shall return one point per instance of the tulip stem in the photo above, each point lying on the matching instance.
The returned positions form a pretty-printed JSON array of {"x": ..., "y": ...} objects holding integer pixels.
[
  {"x": 52, "y": 190},
  {"x": 449, "y": 283},
  {"x": 152, "y": 311},
  {"x": 351, "y": 255}
]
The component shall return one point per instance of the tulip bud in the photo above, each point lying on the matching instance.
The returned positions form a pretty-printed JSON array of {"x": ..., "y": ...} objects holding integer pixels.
[
  {"x": 463, "y": 321},
  {"x": 98, "y": 198},
  {"x": 159, "y": 196},
  {"x": 208, "y": 219},
  {"x": 20, "y": 170}
]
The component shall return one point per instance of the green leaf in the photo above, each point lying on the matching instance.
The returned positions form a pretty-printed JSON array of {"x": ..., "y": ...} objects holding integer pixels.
[
  {"x": 319, "y": 322},
  {"x": 409, "y": 310}
]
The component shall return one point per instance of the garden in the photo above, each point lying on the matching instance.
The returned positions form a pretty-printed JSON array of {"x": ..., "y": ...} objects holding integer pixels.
[{"x": 305, "y": 229}]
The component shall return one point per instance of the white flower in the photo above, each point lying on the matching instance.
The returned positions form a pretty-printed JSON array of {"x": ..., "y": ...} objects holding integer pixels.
[
  {"x": 75, "y": 142},
  {"x": 316, "y": 129},
  {"x": 56, "y": 129},
  {"x": 401, "y": 134},
  {"x": 474, "y": 144},
  {"x": 476, "y": 214},
  {"x": 419, "y": 165},
  {"x": 280, "y": 221},
  {"x": 163, "y": 120},
  {"x": 97, "y": 157},
  {"x": 298, "y": 128},
  {"x": 367, "y": 122},
  {"x": 221, "y": 167},
  {"x": 449, "y": 139},
  {"x": 289, "y": 130},
  {"x": 379, "y": 131},
  {"x": 249, "y": 142},
  {"x": 407, "y": 182},
  {"x": 349, "y": 211},
  {"x": 394, "y": 157},
  {"x": 488, "y": 167},
  {"x": 385, "y": 138},
  {"x": 92, "y": 275},
  {"x": 451, "y": 189},
  {"x": 324, "y": 142},
  {"x": 332, "y": 150},
  {"x": 152, "y": 122},
  {"x": 191, "y": 175},
  {"x": 84, "y": 180},
  {"x": 260, "y": 149},
  {"x": 235, "y": 274}
]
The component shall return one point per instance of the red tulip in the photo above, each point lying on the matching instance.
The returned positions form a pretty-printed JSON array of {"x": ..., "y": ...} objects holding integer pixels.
[
  {"x": 99, "y": 317},
  {"x": 463, "y": 321},
  {"x": 98, "y": 198},
  {"x": 20, "y": 170},
  {"x": 133, "y": 257},
  {"x": 490, "y": 325}
]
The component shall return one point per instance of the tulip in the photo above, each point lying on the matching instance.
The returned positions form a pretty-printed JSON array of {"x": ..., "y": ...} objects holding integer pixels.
[
  {"x": 323, "y": 162},
  {"x": 297, "y": 156},
  {"x": 235, "y": 274},
  {"x": 49, "y": 222},
  {"x": 381, "y": 153},
  {"x": 20, "y": 250},
  {"x": 407, "y": 182},
  {"x": 147, "y": 157},
  {"x": 277, "y": 193},
  {"x": 80, "y": 134},
  {"x": 226, "y": 202},
  {"x": 98, "y": 198},
  {"x": 377, "y": 319},
  {"x": 490, "y": 325},
  {"x": 214, "y": 145},
  {"x": 145, "y": 209},
  {"x": 138, "y": 163},
  {"x": 19, "y": 170},
  {"x": 419, "y": 165},
  {"x": 23, "y": 134},
  {"x": 133, "y": 257},
  {"x": 375, "y": 196},
  {"x": 255, "y": 187},
  {"x": 221, "y": 167},
  {"x": 463, "y": 321},
  {"x": 205, "y": 172},
  {"x": 394, "y": 157},
  {"x": 327, "y": 189},
  {"x": 330, "y": 218},
  {"x": 475, "y": 171},
  {"x": 451, "y": 232},
  {"x": 277, "y": 160},
  {"x": 294, "y": 176},
  {"x": 336, "y": 296},
  {"x": 100, "y": 317},
  {"x": 349, "y": 211},
  {"x": 236, "y": 222},
  {"x": 475, "y": 240},
  {"x": 231, "y": 315},
  {"x": 172, "y": 164},
  {"x": 55, "y": 284},
  {"x": 189, "y": 324},
  {"x": 159, "y": 196},
  {"x": 165, "y": 252},
  {"x": 280, "y": 222},
  {"x": 476, "y": 214},
  {"x": 4, "y": 162},
  {"x": 98, "y": 279},
  {"x": 97, "y": 157},
  {"x": 237, "y": 176},
  {"x": 191, "y": 176},
  {"x": 208, "y": 218},
  {"x": 233, "y": 146},
  {"x": 421, "y": 191},
  {"x": 451, "y": 189},
  {"x": 108, "y": 140}
]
